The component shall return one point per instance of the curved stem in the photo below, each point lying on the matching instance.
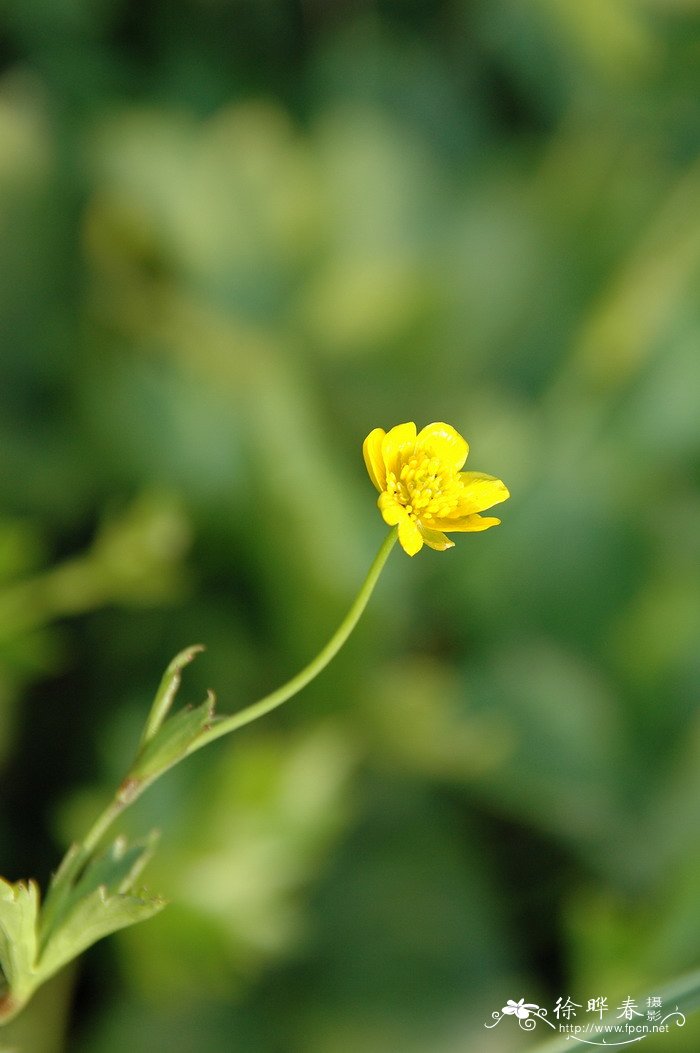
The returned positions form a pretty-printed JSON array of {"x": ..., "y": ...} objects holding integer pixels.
[
  {"x": 310, "y": 671},
  {"x": 130, "y": 790}
]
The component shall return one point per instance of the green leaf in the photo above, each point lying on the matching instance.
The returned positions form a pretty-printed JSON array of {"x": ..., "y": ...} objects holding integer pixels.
[
  {"x": 167, "y": 690},
  {"x": 19, "y": 905},
  {"x": 92, "y": 918},
  {"x": 116, "y": 870},
  {"x": 172, "y": 741}
]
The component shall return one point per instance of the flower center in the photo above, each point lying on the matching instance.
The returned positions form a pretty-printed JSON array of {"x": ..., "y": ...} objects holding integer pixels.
[{"x": 425, "y": 487}]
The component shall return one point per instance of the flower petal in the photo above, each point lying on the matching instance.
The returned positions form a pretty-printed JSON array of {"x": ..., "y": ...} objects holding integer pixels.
[
  {"x": 392, "y": 511},
  {"x": 410, "y": 537},
  {"x": 465, "y": 523},
  {"x": 395, "y": 514},
  {"x": 398, "y": 445},
  {"x": 435, "y": 539},
  {"x": 480, "y": 492},
  {"x": 372, "y": 453},
  {"x": 442, "y": 441}
]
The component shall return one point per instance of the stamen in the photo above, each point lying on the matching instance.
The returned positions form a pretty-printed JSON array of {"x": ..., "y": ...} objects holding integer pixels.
[{"x": 426, "y": 488}]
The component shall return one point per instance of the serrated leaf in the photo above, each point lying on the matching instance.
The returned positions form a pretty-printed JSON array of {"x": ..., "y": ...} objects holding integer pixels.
[
  {"x": 94, "y": 917},
  {"x": 19, "y": 906},
  {"x": 116, "y": 870},
  {"x": 172, "y": 740}
]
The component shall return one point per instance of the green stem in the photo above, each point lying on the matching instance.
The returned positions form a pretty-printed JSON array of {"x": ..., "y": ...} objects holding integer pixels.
[
  {"x": 132, "y": 789},
  {"x": 100, "y": 827},
  {"x": 73, "y": 862},
  {"x": 310, "y": 671}
]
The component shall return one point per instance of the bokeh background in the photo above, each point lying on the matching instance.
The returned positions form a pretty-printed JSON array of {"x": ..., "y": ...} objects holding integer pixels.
[{"x": 235, "y": 236}]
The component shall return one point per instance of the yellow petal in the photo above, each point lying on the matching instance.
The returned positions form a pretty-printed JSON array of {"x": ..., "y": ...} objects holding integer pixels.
[
  {"x": 442, "y": 441},
  {"x": 410, "y": 537},
  {"x": 480, "y": 492},
  {"x": 372, "y": 453},
  {"x": 464, "y": 523},
  {"x": 398, "y": 445},
  {"x": 392, "y": 511},
  {"x": 436, "y": 539}
]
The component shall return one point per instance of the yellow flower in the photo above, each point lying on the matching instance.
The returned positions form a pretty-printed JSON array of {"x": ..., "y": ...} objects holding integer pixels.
[{"x": 421, "y": 487}]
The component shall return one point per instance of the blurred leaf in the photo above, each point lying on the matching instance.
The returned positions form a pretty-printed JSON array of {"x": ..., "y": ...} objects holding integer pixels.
[
  {"x": 252, "y": 836},
  {"x": 19, "y": 906}
]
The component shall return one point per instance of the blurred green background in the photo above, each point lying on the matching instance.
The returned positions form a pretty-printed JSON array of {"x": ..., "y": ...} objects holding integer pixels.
[{"x": 235, "y": 236}]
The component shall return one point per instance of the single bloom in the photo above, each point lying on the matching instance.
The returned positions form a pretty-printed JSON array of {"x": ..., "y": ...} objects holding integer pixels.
[{"x": 422, "y": 488}]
